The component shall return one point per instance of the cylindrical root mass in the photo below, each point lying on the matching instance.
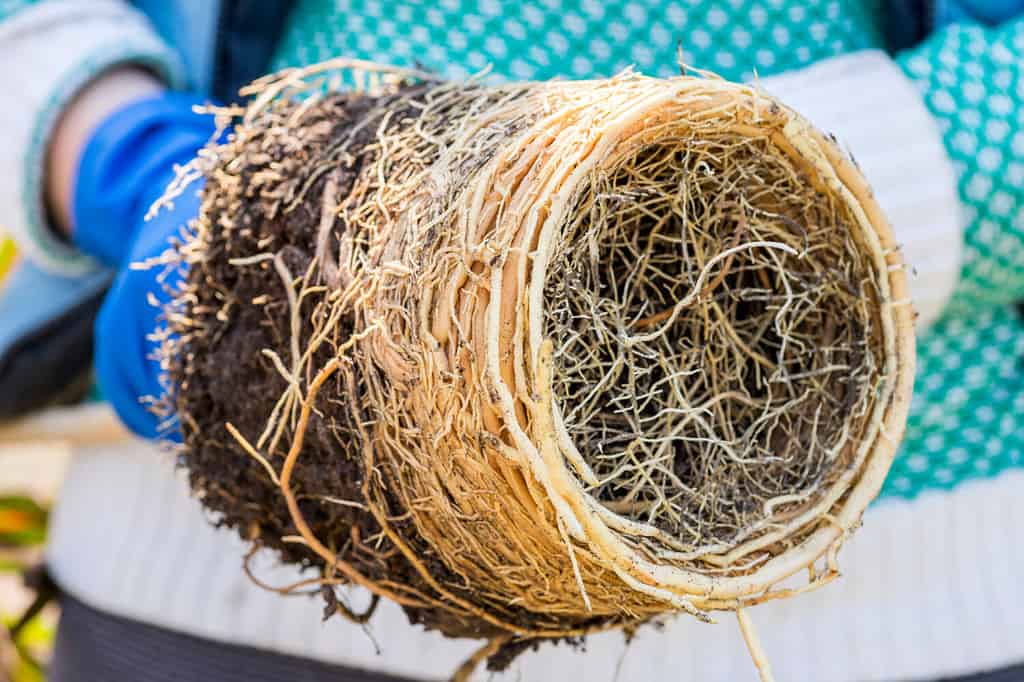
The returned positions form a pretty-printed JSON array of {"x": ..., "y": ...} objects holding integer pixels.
[{"x": 540, "y": 359}]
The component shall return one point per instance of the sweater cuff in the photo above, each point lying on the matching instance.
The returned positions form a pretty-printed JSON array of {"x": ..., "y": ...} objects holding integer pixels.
[
  {"x": 61, "y": 46},
  {"x": 874, "y": 110}
]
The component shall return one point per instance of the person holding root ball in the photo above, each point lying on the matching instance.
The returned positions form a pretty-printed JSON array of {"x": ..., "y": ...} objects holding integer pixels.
[{"x": 927, "y": 97}]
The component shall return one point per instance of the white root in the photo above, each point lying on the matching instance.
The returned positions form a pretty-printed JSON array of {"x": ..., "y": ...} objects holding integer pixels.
[{"x": 764, "y": 669}]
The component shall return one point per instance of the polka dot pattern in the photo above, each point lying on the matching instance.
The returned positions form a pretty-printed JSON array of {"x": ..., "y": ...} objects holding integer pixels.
[
  {"x": 967, "y": 416},
  {"x": 543, "y": 39},
  {"x": 972, "y": 79}
]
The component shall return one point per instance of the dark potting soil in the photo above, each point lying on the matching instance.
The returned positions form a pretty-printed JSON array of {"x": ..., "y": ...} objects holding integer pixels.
[{"x": 222, "y": 375}]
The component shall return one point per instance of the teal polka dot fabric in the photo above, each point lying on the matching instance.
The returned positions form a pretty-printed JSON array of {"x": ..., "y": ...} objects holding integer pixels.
[
  {"x": 580, "y": 38},
  {"x": 967, "y": 415},
  {"x": 965, "y": 420},
  {"x": 9, "y": 7},
  {"x": 972, "y": 79}
]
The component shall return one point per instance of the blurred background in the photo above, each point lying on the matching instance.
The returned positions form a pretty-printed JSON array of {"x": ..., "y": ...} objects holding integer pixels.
[{"x": 30, "y": 476}]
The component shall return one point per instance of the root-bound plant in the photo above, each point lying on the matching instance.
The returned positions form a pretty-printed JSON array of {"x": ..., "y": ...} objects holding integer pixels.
[{"x": 537, "y": 360}]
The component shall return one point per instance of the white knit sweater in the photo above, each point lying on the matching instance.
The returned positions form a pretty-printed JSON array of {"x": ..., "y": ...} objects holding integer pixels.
[{"x": 930, "y": 588}]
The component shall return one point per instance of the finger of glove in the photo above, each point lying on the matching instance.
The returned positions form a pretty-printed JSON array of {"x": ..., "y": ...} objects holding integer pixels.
[
  {"x": 127, "y": 368},
  {"x": 121, "y": 365},
  {"x": 127, "y": 164}
]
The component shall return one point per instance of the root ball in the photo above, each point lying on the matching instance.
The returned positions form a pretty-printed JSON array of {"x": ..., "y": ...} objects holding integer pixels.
[{"x": 539, "y": 359}]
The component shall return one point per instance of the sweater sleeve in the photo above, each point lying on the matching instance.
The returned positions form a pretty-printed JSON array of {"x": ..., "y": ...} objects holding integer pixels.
[
  {"x": 864, "y": 99},
  {"x": 972, "y": 80},
  {"x": 60, "y": 45}
]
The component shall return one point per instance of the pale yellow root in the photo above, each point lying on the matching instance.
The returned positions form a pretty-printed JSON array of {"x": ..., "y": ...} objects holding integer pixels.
[
  {"x": 466, "y": 670},
  {"x": 764, "y": 669}
]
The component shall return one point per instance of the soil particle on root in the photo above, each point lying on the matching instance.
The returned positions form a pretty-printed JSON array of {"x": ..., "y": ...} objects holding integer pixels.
[{"x": 223, "y": 375}]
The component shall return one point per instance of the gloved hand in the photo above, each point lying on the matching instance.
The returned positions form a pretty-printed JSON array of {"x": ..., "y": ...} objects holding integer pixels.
[
  {"x": 126, "y": 166},
  {"x": 990, "y": 12}
]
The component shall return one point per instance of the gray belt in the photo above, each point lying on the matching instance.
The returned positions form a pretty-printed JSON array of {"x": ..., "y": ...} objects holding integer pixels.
[{"x": 93, "y": 646}]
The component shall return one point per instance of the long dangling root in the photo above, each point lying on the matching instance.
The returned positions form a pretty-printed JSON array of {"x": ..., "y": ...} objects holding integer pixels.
[
  {"x": 757, "y": 655},
  {"x": 538, "y": 360},
  {"x": 466, "y": 670}
]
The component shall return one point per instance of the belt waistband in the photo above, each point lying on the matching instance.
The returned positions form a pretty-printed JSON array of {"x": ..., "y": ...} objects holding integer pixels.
[{"x": 93, "y": 646}]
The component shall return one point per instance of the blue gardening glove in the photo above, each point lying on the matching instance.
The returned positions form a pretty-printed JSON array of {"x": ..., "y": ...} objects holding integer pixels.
[
  {"x": 989, "y": 12},
  {"x": 126, "y": 166}
]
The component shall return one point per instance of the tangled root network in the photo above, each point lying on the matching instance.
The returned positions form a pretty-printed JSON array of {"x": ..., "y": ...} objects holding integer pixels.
[{"x": 536, "y": 360}]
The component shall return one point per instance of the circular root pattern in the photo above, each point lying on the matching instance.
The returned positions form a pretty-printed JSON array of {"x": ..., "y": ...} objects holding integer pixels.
[
  {"x": 714, "y": 334},
  {"x": 541, "y": 359}
]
